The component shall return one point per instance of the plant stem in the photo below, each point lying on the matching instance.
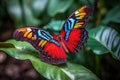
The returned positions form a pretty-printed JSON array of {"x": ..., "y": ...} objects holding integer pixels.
[
  {"x": 23, "y": 12},
  {"x": 97, "y": 12},
  {"x": 97, "y": 59},
  {"x": 98, "y": 5}
]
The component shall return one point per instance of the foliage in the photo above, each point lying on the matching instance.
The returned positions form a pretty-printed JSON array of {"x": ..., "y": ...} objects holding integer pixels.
[
  {"x": 113, "y": 15},
  {"x": 69, "y": 71},
  {"x": 104, "y": 37},
  {"x": 105, "y": 40}
]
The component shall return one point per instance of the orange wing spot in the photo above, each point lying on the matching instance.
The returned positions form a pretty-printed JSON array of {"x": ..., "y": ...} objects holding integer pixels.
[
  {"x": 78, "y": 25},
  {"x": 82, "y": 9},
  {"x": 43, "y": 43},
  {"x": 29, "y": 35},
  {"x": 40, "y": 43},
  {"x": 23, "y": 30},
  {"x": 80, "y": 15},
  {"x": 34, "y": 38},
  {"x": 26, "y": 33}
]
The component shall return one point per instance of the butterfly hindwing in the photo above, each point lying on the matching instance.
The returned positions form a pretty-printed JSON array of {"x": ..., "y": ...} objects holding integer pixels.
[
  {"x": 73, "y": 32},
  {"x": 45, "y": 42}
]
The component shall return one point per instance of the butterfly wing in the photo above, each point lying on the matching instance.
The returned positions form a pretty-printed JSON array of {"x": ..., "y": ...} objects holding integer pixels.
[
  {"x": 45, "y": 42},
  {"x": 73, "y": 32}
]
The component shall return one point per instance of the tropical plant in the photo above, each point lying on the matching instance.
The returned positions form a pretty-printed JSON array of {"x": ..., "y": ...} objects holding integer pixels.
[{"x": 103, "y": 28}]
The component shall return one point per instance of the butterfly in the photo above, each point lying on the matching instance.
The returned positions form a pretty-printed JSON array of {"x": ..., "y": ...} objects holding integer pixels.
[{"x": 53, "y": 48}]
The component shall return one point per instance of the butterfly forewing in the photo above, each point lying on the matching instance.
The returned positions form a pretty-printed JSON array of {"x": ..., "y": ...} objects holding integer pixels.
[
  {"x": 73, "y": 32},
  {"x": 43, "y": 41}
]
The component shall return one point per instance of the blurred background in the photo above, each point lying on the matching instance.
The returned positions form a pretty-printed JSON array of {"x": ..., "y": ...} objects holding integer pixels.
[{"x": 50, "y": 15}]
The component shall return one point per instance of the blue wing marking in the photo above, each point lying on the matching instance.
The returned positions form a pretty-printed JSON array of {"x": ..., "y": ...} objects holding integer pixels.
[
  {"x": 68, "y": 26},
  {"x": 47, "y": 36}
]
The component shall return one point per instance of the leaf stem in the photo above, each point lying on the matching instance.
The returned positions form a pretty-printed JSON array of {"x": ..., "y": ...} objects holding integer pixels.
[{"x": 100, "y": 5}]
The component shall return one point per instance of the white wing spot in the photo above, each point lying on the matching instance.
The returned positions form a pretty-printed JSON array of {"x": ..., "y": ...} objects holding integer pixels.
[
  {"x": 29, "y": 29},
  {"x": 76, "y": 12}
]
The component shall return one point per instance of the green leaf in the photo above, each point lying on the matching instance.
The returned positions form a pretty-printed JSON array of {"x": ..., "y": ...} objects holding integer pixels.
[
  {"x": 86, "y": 2},
  {"x": 38, "y": 6},
  {"x": 115, "y": 26},
  {"x": 30, "y": 19},
  {"x": 68, "y": 71},
  {"x": 14, "y": 10},
  {"x": 58, "y": 6},
  {"x": 86, "y": 58},
  {"x": 54, "y": 25},
  {"x": 21, "y": 13},
  {"x": 103, "y": 40},
  {"x": 113, "y": 15},
  {"x": 6, "y": 45}
]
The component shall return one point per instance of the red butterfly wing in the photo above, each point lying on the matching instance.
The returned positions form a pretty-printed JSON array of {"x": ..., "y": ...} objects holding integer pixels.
[
  {"x": 52, "y": 48},
  {"x": 77, "y": 38},
  {"x": 53, "y": 54},
  {"x": 43, "y": 41},
  {"x": 73, "y": 32}
]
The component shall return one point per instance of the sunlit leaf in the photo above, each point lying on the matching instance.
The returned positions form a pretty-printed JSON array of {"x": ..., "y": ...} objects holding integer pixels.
[
  {"x": 68, "y": 71},
  {"x": 103, "y": 40}
]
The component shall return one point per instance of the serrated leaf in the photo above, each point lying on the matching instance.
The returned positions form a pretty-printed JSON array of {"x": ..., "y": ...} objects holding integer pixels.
[
  {"x": 68, "y": 71},
  {"x": 58, "y": 6},
  {"x": 103, "y": 40}
]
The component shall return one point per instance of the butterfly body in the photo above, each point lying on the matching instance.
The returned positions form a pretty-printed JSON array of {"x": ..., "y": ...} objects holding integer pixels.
[{"x": 53, "y": 48}]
